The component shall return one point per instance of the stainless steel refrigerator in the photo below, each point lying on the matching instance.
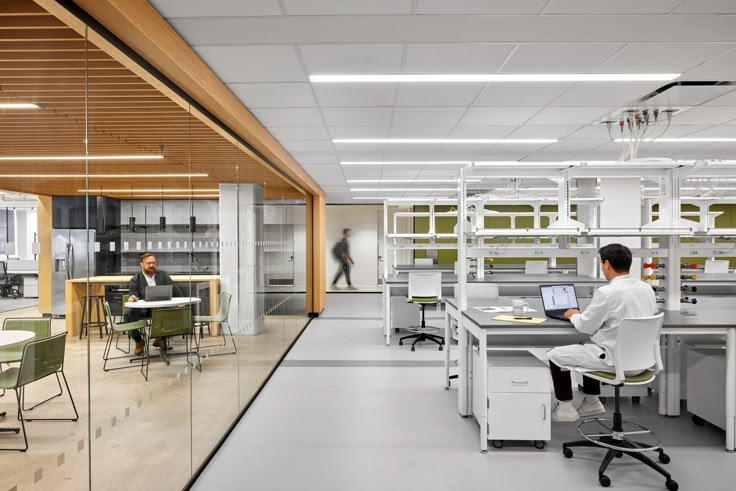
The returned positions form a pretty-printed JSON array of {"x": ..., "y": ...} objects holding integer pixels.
[{"x": 70, "y": 249}]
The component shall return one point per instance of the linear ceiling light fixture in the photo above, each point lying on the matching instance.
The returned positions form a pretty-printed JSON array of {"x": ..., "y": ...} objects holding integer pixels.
[
  {"x": 65, "y": 158},
  {"x": 94, "y": 176},
  {"x": 159, "y": 191},
  {"x": 397, "y": 190},
  {"x": 405, "y": 181},
  {"x": 19, "y": 105},
  {"x": 681, "y": 140},
  {"x": 498, "y": 77},
  {"x": 454, "y": 141},
  {"x": 412, "y": 162}
]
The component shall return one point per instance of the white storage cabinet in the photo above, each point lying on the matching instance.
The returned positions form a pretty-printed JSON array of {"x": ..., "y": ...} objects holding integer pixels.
[{"x": 519, "y": 397}]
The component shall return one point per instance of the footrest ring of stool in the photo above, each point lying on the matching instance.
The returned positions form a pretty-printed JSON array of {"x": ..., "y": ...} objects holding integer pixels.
[
  {"x": 423, "y": 330},
  {"x": 628, "y": 437}
]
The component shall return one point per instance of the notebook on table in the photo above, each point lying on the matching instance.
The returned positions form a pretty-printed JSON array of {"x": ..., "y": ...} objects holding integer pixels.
[{"x": 558, "y": 299}]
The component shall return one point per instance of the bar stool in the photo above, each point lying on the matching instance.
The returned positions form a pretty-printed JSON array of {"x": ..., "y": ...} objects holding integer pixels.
[{"x": 99, "y": 306}]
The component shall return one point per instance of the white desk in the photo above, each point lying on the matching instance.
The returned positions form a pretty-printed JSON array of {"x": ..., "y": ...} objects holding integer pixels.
[
  {"x": 711, "y": 316},
  {"x": 162, "y": 304}
]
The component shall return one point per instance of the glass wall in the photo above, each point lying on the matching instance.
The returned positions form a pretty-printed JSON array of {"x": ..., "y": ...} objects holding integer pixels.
[{"x": 121, "y": 189}]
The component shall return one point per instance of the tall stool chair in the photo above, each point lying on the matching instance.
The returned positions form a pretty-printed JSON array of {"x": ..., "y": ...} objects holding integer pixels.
[
  {"x": 637, "y": 351},
  {"x": 424, "y": 289},
  {"x": 86, "y": 323}
]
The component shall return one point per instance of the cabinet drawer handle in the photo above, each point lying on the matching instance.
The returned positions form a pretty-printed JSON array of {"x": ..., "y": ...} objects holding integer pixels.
[
  {"x": 523, "y": 382},
  {"x": 544, "y": 412}
]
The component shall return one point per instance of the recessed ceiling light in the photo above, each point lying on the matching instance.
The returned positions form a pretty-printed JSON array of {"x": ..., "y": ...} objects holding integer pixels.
[
  {"x": 27, "y": 158},
  {"x": 95, "y": 176},
  {"x": 681, "y": 140},
  {"x": 459, "y": 141},
  {"x": 18, "y": 105},
  {"x": 499, "y": 77},
  {"x": 413, "y": 162}
]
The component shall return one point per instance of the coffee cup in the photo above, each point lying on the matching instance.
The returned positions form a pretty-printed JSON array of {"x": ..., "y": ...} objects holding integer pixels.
[{"x": 519, "y": 307}]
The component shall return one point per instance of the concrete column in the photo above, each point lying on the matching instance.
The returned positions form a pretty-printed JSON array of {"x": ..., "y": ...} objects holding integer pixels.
[
  {"x": 241, "y": 255},
  {"x": 621, "y": 208}
]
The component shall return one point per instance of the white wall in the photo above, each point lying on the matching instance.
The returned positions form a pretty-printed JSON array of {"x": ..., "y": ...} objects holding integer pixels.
[{"x": 364, "y": 244}]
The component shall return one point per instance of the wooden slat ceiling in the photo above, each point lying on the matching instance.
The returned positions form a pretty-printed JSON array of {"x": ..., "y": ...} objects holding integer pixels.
[{"x": 45, "y": 62}]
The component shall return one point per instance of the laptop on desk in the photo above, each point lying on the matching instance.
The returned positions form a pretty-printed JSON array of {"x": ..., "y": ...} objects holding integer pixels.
[
  {"x": 557, "y": 299},
  {"x": 158, "y": 293}
]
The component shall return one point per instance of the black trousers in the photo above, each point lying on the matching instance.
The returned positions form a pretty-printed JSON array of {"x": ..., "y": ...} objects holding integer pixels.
[
  {"x": 563, "y": 384},
  {"x": 344, "y": 268}
]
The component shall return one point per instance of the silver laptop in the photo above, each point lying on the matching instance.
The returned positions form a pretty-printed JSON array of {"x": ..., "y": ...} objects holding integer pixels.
[
  {"x": 557, "y": 299},
  {"x": 157, "y": 293}
]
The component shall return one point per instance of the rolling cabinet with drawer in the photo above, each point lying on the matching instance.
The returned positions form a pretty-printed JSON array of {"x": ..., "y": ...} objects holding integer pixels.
[{"x": 519, "y": 397}]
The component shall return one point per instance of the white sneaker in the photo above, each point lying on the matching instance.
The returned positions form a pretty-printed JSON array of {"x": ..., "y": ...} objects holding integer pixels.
[
  {"x": 587, "y": 408},
  {"x": 565, "y": 413}
]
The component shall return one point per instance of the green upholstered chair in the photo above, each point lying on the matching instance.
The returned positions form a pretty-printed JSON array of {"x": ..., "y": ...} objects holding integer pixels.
[
  {"x": 424, "y": 289},
  {"x": 222, "y": 317},
  {"x": 40, "y": 359},
  {"x": 124, "y": 328},
  {"x": 637, "y": 351},
  {"x": 166, "y": 323}
]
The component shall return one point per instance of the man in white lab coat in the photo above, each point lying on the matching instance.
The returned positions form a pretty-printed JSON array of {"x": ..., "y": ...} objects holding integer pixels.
[{"x": 623, "y": 297}]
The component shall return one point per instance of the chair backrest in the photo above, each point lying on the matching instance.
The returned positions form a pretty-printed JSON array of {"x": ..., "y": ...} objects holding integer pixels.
[
  {"x": 637, "y": 345},
  {"x": 716, "y": 266},
  {"x": 425, "y": 285},
  {"x": 39, "y": 325},
  {"x": 171, "y": 322},
  {"x": 41, "y": 358},
  {"x": 224, "y": 311},
  {"x": 535, "y": 267},
  {"x": 423, "y": 261},
  {"x": 108, "y": 315},
  {"x": 123, "y": 301},
  {"x": 479, "y": 290}
]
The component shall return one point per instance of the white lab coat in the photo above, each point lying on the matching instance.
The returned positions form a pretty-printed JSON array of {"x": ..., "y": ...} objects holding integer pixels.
[{"x": 623, "y": 297}]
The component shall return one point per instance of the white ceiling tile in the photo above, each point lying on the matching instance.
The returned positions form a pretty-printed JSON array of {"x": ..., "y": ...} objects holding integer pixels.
[
  {"x": 357, "y": 116},
  {"x": 426, "y": 94},
  {"x": 516, "y": 94},
  {"x": 580, "y": 7},
  {"x": 288, "y": 116},
  {"x": 590, "y": 132},
  {"x": 355, "y": 95},
  {"x": 721, "y": 68},
  {"x": 605, "y": 94},
  {"x": 662, "y": 57},
  {"x": 307, "y": 145},
  {"x": 352, "y": 58},
  {"x": 707, "y": 7},
  {"x": 456, "y": 7},
  {"x": 419, "y": 116},
  {"x": 498, "y": 115},
  {"x": 359, "y": 131},
  {"x": 681, "y": 130},
  {"x": 274, "y": 95},
  {"x": 455, "y": 57},
  {"x": 716, "y": 132},
  {"x": 316, "y": 159},
  {"x": 711, "y": 115},
  {"x": 299, "y": 132},
  {"x": 252, "y": 63},
  {"x": 725, "y": 100},
  {"x": 543, "y": 131},
  {"x": 498, "y": 131},
  {"x": 215, "y": 8},
  {"x": 571, "y": 146},
  {"x": 559, "y": 57},
  {"x": 348, "y": 7},
  {"x": 569, "y": 115},
  {"x": 420, "y": 131}
]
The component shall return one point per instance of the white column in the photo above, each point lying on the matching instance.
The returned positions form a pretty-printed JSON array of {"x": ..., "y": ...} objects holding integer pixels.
[
  {"x": 586, "y": 212},
  {"x": 241, "y": 258},
  {"x": 621, "y": 208}
]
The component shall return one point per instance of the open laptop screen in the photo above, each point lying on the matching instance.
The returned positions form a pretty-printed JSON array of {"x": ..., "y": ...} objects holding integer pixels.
[{"x": 559, "y": 297}]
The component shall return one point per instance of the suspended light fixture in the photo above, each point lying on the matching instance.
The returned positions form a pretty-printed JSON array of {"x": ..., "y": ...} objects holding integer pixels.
[
  {"x": 131, "y": 219},
  {"x": 162, "y": 218}
]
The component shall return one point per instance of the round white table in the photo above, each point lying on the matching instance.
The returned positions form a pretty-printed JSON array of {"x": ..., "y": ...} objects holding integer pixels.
[{"x": 9, "y": 338}]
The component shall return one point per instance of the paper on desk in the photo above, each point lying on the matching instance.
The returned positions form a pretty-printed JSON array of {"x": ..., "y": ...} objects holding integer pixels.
[
  {"x": 511, "y": 318},
  {"x": 495, "y": 309}
]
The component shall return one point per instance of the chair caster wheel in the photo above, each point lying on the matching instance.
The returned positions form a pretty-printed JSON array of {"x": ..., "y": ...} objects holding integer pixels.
[
  {"x": 413, "y": 348},
  {"x": 672, "y": 485},
  {"x": 401, "y": 343},
  {"x": 636, "y": 399},
  {"x": 602, "y": 399},
  {"x": 604, "y": 480},
  {"x": 664, "y": 458},
  {"x": 619, "y": 455},
  {"x": 441, "y": 349},
  {"x": 698, "y": 420},
  {"x": 497, "y": 443},
  {"x": 396, "y": 330},
  {"x": 567, "y": 453},
  {"x": 540, "y": 444}
]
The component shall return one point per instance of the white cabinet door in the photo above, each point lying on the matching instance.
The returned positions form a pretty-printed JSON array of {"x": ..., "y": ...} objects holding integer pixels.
[{"x": 519, "y": 416}]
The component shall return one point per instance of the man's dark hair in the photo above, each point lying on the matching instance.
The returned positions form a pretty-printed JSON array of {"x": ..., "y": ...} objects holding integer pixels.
[
  {"x": 346, "y": 230},
  {"x": 146, "y": 255},
  {"x": 618, "y": 256}
]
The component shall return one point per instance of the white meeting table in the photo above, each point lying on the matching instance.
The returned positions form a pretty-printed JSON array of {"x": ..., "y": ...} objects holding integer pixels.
[
  {"x": 9, "y": 338},
  {"x": 712, "y": 316}
]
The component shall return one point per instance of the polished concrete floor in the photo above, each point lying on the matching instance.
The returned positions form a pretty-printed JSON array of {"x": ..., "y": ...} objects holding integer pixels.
[
  {"x": 144, "y": 435},
  {"x": 345, "y": 412}
]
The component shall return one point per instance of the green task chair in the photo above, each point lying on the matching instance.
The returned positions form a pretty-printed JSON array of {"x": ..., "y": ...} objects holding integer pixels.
[
  {"x": 39, "y": 360},
  {"x": 222, "y": 317},
  {"x": 166, "y": 323},
  {"x": 637, "y": 352},
  {"x": 41, "y": 327},
  {"x": 118, "y": 329}
]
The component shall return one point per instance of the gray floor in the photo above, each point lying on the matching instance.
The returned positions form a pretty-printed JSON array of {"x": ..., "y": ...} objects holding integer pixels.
[
  {"x": 345, "y": 412},
  {"x": 9, "y": 304}
]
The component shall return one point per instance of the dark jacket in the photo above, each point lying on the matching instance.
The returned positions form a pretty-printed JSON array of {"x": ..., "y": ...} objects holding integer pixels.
[{"x": 137, "y": 286}]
